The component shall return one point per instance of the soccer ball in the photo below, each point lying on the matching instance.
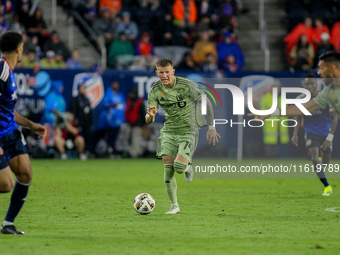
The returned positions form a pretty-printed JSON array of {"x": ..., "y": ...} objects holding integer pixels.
[{"x": 144, "y": 203}]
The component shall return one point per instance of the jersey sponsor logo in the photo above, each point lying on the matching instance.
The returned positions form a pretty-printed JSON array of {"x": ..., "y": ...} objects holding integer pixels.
[
  {"x": 170, "y": 105},
  {"x": 181, "y": 104},
  {"x": 94, "y": 90},
  {"x": 162, "y": 99},
  {"x": 179, "y": 97}
]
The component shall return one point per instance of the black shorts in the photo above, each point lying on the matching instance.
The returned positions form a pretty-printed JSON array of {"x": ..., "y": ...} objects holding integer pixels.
[
  {"x": 314, "y": 140},
  {"x": 13, "y": 145}
]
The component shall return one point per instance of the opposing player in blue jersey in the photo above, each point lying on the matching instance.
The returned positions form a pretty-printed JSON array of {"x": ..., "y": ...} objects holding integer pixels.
[
  {"x": 319, "y": 130},
  {"x": 14, "y": 153}
]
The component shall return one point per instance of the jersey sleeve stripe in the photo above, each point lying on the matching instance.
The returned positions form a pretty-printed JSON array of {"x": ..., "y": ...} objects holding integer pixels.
[{"x": 5, "y": 72}]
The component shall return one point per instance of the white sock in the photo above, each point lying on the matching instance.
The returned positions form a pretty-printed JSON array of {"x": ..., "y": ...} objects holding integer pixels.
[
  {"x": 175, "y": 204},
  {"x": 7, "y": 223}
]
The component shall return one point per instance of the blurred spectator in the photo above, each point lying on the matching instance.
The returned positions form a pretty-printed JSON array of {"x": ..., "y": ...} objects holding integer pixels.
[
  {"x": 23, "y": 8},
  {"x": 90, "y": 11},
  {"x": 105, "y": 27},
  {"x": 167, "y": 33},
  {"x": 73, "y": 62},
  {"x": 54, "y": 101},
  {"x": 202, "y": 47},
  {"x": 114, "y": 6},
  {"x": 135, "y": 120},
  {"x": 296, "y": 10},
  {"x": 59, "y": 60},
  {"x": 209, "y": 64},
  {"x": 128, "y": 26},
  {"x": 37, "y": 27},
  {"x": 36, "y": 46},
  {"x": 227, "y": 11},
  {"x": 187, "y": 63},
  {"x": 204, "y": 25},
  {"x": 48, "y": 61},
  {"x": 185, "y": 12},
  {"x": 121, "y": 53},
  {"x": 324, "y": 45},
  {"x": 293, "y": 37},
  {"x": 138, "y": 64},
  {"x": 145, "y": 49},
  {"x": 230, "y": 64},
  {"x": 158, "y": 9},
  {"x": 30, "y": 60},
  {"x": 144, "y": 46},
  {"x": 144, "y": 16},
  {"x": 54, "y": 43},
  {"x": 205, "y": 8},
  {"x": 302, "y": 55},
  {"x": 16, "y": 25},
  {"x": 335, "y": 36},
  {"x": 28, "y": 45},
  {"x": 319, "y": 29},
  {"x": 228, "y": 47},
  {"x": 81, "y": 108},
  {"x": 9, "y": 9},
  {"x": 66, "y": 134},
  {"x": 112, "y": 115},
  {"x": 3, "y": 25},
  {"x": 319, "y": 8}
]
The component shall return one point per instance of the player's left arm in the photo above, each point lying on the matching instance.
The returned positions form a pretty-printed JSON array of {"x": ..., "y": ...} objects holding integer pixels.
[
  {"x": 212, "y": 134},
  {"x": 334, "y": 123},
  {"x": 40, "y": 130}
]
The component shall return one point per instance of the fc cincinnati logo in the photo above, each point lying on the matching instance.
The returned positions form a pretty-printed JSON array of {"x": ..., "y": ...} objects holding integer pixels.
[{"x": 94, "y": 87}]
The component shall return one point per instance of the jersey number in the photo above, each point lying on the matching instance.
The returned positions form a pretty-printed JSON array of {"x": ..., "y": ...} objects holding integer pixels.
[{"x": 187, "y": 144}]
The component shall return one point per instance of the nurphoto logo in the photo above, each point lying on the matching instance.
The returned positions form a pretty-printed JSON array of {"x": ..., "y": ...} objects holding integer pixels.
[{"x": 238, "y": 103}]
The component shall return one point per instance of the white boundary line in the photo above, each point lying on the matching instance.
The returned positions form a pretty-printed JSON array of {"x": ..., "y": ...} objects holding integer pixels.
[{"x": 333, "y": 209}]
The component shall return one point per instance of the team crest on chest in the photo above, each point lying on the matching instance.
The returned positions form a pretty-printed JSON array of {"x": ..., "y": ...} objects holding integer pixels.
[
  {"x": 182, "y": 104},
  {"x": 161, "y": 93},
  {"x": 179, "y": 96}
]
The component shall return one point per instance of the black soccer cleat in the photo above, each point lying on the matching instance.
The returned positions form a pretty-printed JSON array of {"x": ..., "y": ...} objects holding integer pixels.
[{"x": 10, "y": 230}]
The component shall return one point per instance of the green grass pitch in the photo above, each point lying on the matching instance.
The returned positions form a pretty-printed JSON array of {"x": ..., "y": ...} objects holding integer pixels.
[{"x": 85, "y": 208}]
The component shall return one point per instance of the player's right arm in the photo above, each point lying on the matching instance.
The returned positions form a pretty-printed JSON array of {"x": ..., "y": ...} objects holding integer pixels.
[
  {"x": 292, "y": 110},
  {"x": 212, "y": 135},
  {"x": 153, "y": 104},
  {"x": 37, "y": 128},
  {"x": 150, "y": 115}
]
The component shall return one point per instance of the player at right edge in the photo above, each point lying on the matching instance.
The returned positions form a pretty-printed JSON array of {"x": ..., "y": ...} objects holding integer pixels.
[
  {"x": 317, "y": 127},
  {"x": 179, "y": 98}
]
